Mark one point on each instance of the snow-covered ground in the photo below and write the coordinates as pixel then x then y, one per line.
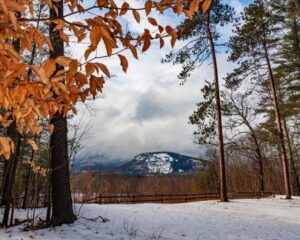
pixel 267 219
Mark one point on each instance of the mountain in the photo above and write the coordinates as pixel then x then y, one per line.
pixel 96 163
pixel 162 163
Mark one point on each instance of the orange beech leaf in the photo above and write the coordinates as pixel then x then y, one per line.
pixel 60 24
pixel 102 3
pixel 205 5
pixel 159 7
pixel 62 86
pixel 95 36
pixel 13 19
pixel 152 21
pixel 49 3
pixel 160 28
pixel 89 68
pixel 124 8
pixel 136 15
pixel 33 144
pixel 21 127
pixel 40 73
pixel 63 61
pixel 88 52
pixel 161 42
pixel 188 13
pixel 179 7
pixel 49 66
pixel 148 6
pixel 194 6
pixel 105 34
pixel 31 8
pixel 49 43
pixel 123 62
pixel 147 43
pixel 64 37
pixel 104 69
pixel 7 147
pixel 133 51
pixel 50 128
pixel 3 7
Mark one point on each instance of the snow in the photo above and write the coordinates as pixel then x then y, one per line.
pixel 160 163
pixel 157 162
pixel 264 219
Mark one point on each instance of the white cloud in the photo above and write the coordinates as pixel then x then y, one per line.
pixel 146 109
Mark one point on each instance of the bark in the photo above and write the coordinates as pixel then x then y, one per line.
pixel 297 3
pixel 223 185
pixel 27 181
pixel 259 158
pixel 281 143
pixel 5 182
pixel 48 215
pixel 12 173
pixel 12 133
pixel 295 177
pixel 260 162
pixel 62 211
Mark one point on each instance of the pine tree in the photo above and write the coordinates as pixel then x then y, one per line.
pixel 255 38
pixel 202 35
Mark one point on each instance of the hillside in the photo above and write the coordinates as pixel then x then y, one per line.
pixel 143 164
pixel 162 163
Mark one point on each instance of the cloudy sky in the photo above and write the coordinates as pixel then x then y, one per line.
pixel 146 109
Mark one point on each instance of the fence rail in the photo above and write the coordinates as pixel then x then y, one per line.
pixel 182 198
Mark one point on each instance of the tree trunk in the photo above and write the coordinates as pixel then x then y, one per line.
pixel 259 157
pixel 297 3
pixel 27 178
pixel 27 181
pixel 48 215
pixel 284 159
pixel 295 177
pixel 261 166
pixel 62 211
pixel 223 184
pixel 11 173
pixel 5 182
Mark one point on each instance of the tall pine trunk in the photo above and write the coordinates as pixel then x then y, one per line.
pixel 223 184
pixel 295 177
pixel 281 143
pixel 62 210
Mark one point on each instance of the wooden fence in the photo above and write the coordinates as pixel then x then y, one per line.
pixel 132 199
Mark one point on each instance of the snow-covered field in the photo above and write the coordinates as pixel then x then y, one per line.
pixel 267 219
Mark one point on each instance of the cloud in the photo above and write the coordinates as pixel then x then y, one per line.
pixel 145 109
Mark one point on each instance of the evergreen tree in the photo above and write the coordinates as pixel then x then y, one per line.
pixel 254 40
pixel 201 34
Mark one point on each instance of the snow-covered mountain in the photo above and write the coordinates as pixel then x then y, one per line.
pixel 162 163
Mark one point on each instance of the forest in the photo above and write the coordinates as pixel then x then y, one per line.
pixel 246 121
